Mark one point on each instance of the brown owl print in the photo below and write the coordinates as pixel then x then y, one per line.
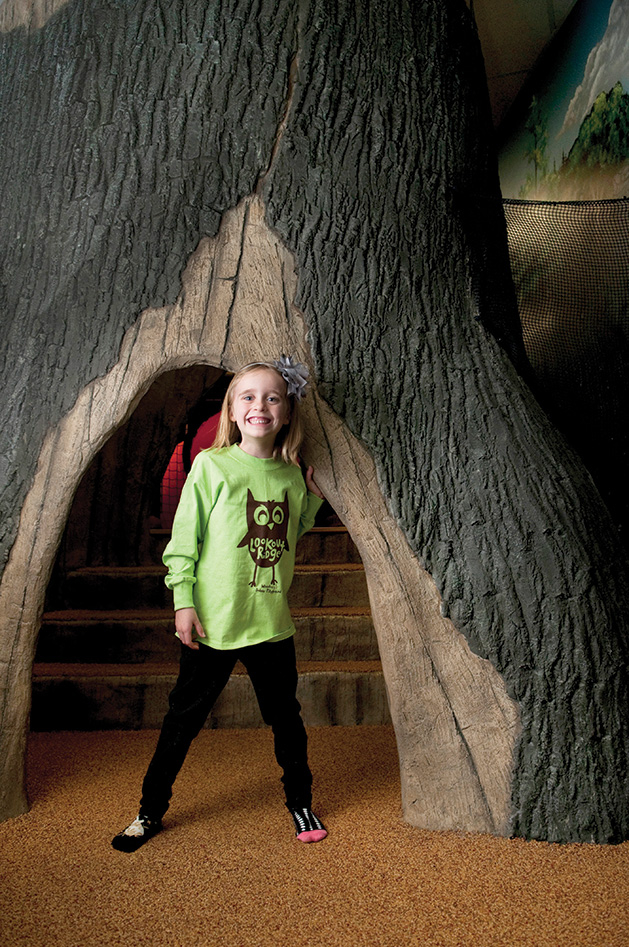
pixel 266 536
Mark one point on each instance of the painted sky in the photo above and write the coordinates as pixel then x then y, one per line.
pixel 588 56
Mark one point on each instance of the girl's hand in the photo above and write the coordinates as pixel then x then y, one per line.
pixel 312 486
pixel 187 620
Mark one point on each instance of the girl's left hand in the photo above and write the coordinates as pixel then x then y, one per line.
pixel 312 486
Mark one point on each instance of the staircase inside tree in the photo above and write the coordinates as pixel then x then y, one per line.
pixel 107 656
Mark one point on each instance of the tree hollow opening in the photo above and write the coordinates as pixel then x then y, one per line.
pixel 107 656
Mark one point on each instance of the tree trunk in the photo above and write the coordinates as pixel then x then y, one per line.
pixel 227 180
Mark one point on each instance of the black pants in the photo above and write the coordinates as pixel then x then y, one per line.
pixel 202 676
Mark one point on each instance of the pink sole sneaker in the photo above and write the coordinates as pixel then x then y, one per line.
pixel 308 828
pixel 314 836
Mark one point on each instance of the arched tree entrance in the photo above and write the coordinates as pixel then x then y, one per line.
pixel 106 655
pixel 462 694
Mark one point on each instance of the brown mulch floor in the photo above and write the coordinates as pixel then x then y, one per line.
pixel 228 871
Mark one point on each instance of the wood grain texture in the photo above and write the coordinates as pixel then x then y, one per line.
pixel 31 14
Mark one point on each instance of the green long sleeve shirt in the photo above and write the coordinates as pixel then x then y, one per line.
pixel 232 551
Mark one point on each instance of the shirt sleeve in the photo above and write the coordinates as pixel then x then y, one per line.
pixel 310 509
pixel 189 529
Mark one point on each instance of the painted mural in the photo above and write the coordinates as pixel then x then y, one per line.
pixel 568 135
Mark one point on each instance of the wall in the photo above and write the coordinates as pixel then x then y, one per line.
pixel 567 135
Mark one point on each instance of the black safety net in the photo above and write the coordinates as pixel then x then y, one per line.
pixel 570 265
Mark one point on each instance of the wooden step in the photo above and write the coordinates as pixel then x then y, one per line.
pixel 103 587
pixel 113 696
pixel 134 636
pixel 107 656
pixel 319 544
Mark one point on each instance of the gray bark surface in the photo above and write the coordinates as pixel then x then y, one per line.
pixel 126 134
pixel 129 129
pixel 497 508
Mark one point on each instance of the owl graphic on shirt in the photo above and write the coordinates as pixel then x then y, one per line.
pixel 266 536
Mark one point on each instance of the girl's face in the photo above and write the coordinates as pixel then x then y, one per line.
pixel 260 409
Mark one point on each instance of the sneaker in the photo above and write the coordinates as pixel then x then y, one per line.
pixel 308 828
pixel 135 835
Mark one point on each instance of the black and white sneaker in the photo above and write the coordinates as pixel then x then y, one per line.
pixel 135 835
pixel 307 826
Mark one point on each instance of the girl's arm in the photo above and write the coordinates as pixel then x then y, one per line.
pixel 311 484
pixel 182 552
pixel 312 504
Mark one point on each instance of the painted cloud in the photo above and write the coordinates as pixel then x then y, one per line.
pixel 607 63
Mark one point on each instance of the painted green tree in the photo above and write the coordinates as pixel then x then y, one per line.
pixel 537 127
pixel 603 137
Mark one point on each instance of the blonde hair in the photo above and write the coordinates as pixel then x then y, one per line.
pixel 289 438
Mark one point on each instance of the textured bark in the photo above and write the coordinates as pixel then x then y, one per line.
pixel 126 135
pixel 457 740
pixel 495 506
pixel 360 133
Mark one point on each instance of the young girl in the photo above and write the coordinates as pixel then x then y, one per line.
pixel 230 563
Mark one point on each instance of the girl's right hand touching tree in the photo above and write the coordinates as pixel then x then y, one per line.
pixel 312 485
pixel 186 623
